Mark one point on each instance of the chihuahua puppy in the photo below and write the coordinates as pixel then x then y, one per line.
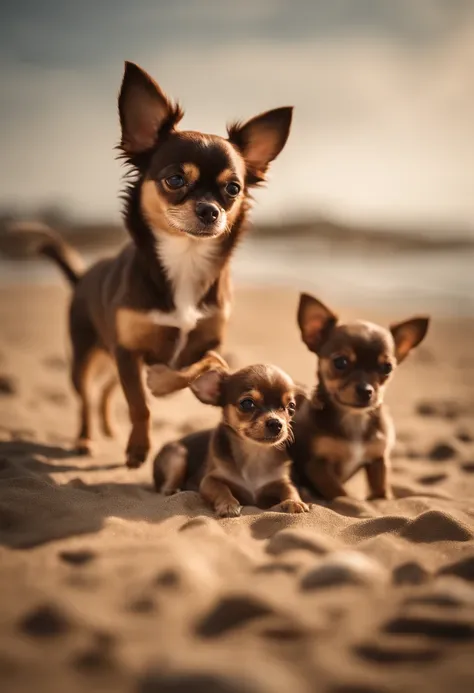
pixel 245 460
pixel 166 297
pixel 345 425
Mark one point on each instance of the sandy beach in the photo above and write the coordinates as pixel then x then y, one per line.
pixel 106 585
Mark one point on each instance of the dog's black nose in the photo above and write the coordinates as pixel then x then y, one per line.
pixel 273 426
pixel 364 392
pixel 207 212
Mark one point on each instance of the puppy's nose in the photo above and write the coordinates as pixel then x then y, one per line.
pixel 364 392
pixel 273 426
pixel 207 212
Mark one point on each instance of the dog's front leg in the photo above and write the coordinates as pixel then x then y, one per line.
pixel 163 380
pixel 219 495
pixel 321 475
pixel 377 477
pixel 290 500
pixel 129 369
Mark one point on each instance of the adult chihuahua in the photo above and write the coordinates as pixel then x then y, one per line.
pixel 166 297
pixel 345 425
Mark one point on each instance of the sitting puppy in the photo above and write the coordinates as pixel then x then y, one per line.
pixel 245 459
pixel 345 425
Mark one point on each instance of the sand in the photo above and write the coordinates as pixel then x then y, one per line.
pixel 105 585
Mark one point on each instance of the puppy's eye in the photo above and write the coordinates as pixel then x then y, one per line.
pixel 340 363
pixel 247 405
pixel 385 368
pixel 175 182
pixel 232 189
pixel 291 408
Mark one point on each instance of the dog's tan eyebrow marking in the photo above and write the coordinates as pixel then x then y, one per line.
pixel 347 352
pixel 287 398
pixel 226 175
pixel 252 394
pixel 191 172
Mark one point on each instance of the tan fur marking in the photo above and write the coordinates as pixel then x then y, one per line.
pixel 376 448
pixel 225 176
pixel 136 331
pixel 252 394
pixel 191 171
pixel 232 417
pixel 335 449
pixel 153 205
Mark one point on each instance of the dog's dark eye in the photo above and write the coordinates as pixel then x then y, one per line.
pixel 385 368
pixel 291 408
pixel 247 405
pixel 232 189
pixel 340 363
pixel 175 182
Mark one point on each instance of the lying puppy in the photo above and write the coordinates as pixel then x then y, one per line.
pixel 345 425
pixel 166 297
pixel 244 461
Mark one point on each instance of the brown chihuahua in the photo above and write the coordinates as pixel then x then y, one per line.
pixel 166 297
pixel 345 425
pixel 245 459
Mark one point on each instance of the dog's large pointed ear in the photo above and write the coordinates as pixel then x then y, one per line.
pixel 261 139
pixel 144 111
pixel 208 386
pixel 315 321
pixel 408 334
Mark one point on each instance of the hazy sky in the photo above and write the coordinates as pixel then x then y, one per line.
pixel 383 89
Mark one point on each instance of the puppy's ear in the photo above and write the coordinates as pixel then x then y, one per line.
pixel 315 321
pixel 208 387
pixel 301 395
pixel 261 139
pixel 408 334
pixel 144 111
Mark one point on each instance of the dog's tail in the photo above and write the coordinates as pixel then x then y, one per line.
pixel 36 238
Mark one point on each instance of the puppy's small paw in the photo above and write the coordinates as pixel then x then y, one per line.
pixel 291 506
pixel 228 509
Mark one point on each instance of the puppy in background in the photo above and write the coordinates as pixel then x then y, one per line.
pixel 345 425
pixel 245 460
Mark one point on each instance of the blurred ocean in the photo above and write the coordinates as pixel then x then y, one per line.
pixel 434 281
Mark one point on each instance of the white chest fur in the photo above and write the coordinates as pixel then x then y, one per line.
pixel 362 451
pixel 258 467
pixel 190 267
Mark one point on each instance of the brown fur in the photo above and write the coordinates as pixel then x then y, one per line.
pixel 345 425
pixel 244 461
pixel 186 202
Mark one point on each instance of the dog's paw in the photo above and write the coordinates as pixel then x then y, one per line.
pixel 161 380
pixel 84 447
pixel 136 455
pixel 291 506
pixel 228 509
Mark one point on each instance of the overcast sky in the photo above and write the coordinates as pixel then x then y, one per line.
pixel 383 89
